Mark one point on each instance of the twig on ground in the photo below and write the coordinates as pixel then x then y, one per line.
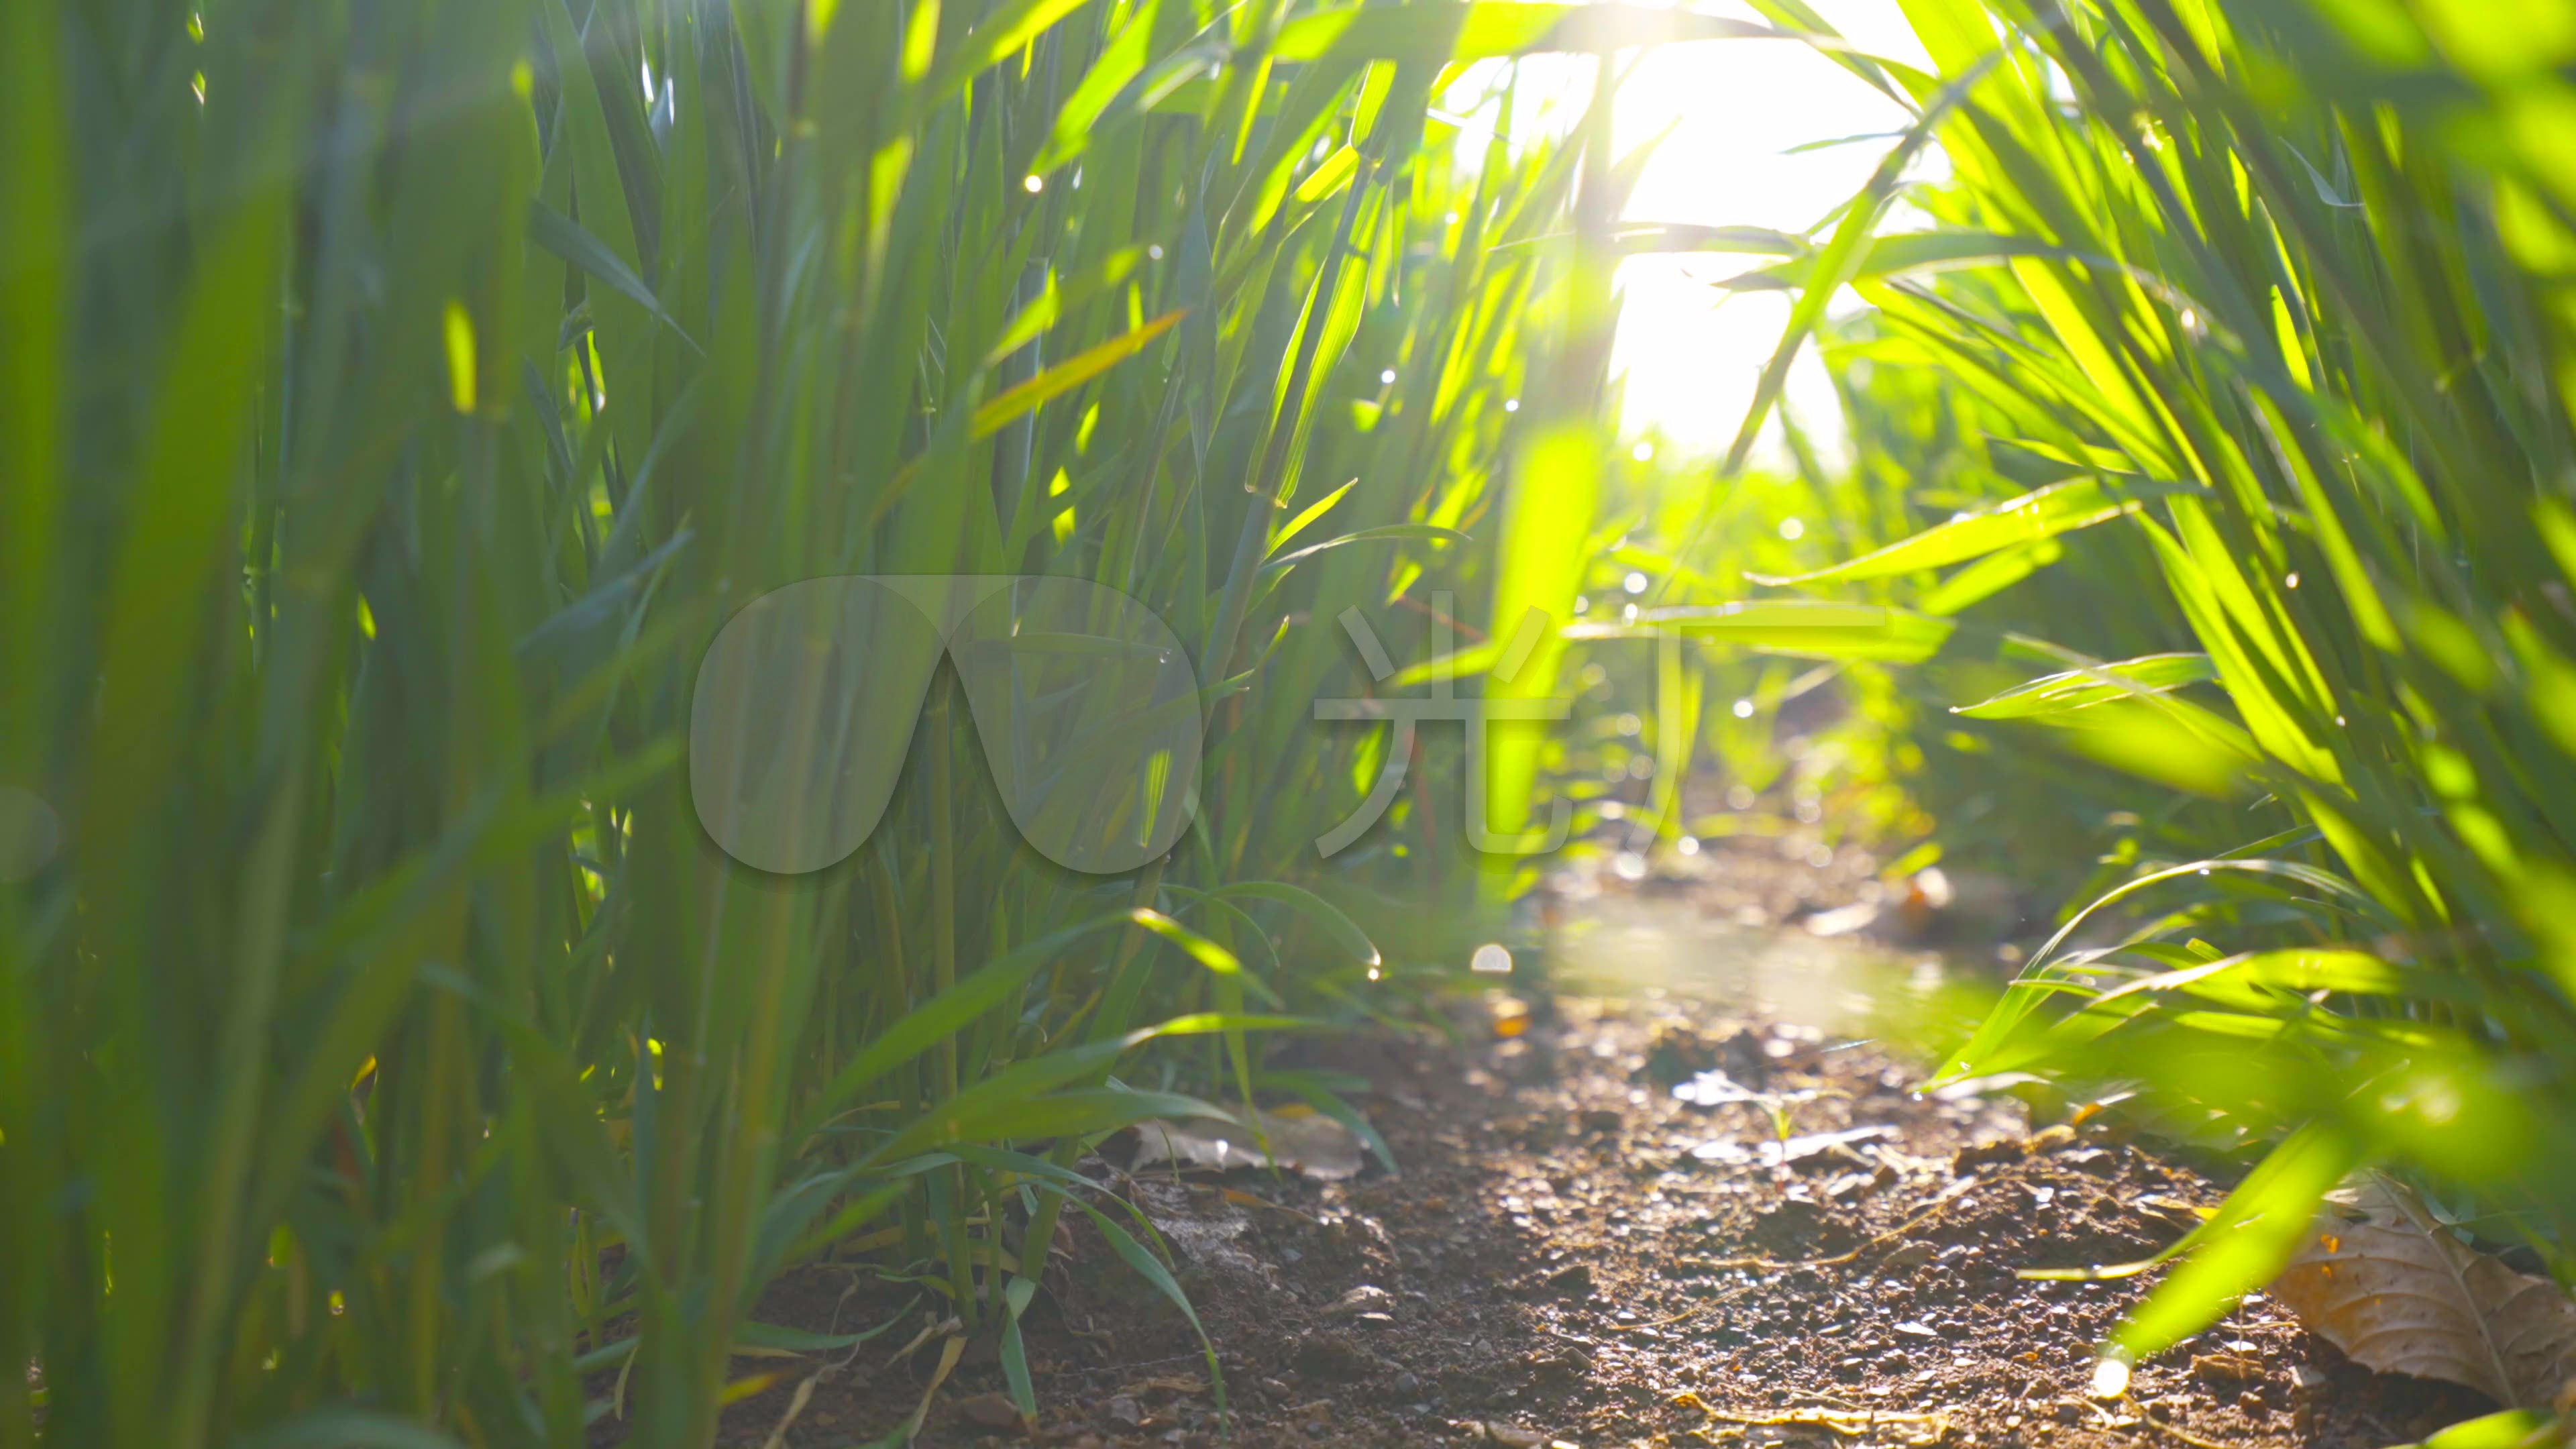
pixel 1850 1423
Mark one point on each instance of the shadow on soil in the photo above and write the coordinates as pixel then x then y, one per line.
pixel 1575 1253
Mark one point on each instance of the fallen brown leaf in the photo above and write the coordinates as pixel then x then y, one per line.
pixel 1366 1298
pixel 2388 1284
pixel 993 1411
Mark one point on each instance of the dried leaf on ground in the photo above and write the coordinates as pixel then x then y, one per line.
pixel 1308 1141
pixel 1366 1298
pixel 993 1411
pixel 2387 1283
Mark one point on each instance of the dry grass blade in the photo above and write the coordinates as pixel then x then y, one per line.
pixel 2388 1284
pixel 1849 1423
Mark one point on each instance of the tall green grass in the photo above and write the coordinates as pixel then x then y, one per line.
pixel 398 396
pixel 2279 287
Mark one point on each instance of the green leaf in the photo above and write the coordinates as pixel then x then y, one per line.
pixel 1429 531
pixel 1311 512
pixel 1193 945
pixel 1067 375
pixel 1990 576
pixel 1665 237
pixel 2042 513
pixel 948 1013
pixel 1835 263
pixel 2025 995
pixel 1313 907
pixel 1459 664
pixel 1800 628
pixel 1438 33
pixel 1328 177
pixel 980 1116
pixel 753 1334
pixel 2509 1429
pixel 1151 1269
pixel 1015 1354
pixel 567 239
pixel 1325 1100
pixel 2246 1243
pixel 2157 737
pixel 1061 297
pixel 2076 688
pixel 2299 971
pixel 1907 254
pixel 1007 28
pixel 1121 84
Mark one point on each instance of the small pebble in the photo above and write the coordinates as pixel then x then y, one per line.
pixel 1364 1299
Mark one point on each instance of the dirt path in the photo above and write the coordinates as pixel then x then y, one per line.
pixel 1574 1253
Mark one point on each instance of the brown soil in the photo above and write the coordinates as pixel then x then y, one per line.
pixel 1555 1264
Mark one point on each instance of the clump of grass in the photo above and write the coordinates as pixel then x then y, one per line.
pixel 400 397
pixel 2279 289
